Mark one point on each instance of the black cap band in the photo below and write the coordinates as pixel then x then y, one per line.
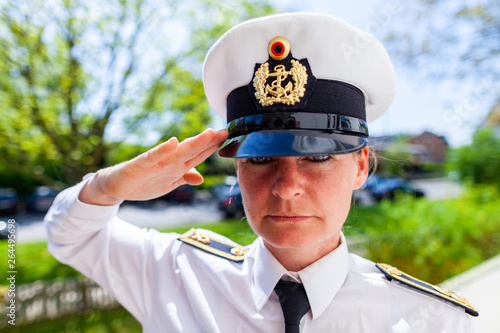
pixel 327 96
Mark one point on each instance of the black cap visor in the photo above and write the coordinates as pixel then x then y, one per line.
pixel 293 142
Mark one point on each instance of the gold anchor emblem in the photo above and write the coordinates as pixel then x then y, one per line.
pixel 288 95
pixel 276 89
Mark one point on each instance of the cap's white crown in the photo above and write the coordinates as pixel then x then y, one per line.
pixel 334 49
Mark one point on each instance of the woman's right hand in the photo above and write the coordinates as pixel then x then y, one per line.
pixel 153 173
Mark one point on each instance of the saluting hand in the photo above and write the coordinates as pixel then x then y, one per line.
pixel 153 173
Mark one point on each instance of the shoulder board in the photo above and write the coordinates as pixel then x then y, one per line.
pixel 220 248
pixel 394 273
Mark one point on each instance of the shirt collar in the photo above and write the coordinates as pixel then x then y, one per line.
pixel 268 271
pixel 322 279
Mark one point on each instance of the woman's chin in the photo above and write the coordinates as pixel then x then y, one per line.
pixel 290 239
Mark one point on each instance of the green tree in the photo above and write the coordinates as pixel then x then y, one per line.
pixel 78 78
pixel 480 161
pixel 445 39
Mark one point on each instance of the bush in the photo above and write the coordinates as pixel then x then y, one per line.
pixel 433 240
pixel 478 163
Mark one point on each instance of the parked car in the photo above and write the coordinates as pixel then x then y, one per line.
pixel 231 202
pixel 184 194
pixel 8 200
pixel 4 231
pixel 390 187
pixel 41 199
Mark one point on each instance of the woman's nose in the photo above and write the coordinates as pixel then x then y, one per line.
pixel 288 182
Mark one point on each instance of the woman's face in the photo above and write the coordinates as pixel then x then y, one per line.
pixel 296 202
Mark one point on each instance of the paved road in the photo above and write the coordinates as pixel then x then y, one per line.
pixel 164 216
pixel 438 188
pixel 30 227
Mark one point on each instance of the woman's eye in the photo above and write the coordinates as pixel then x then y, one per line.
pixel 259 160
pixel 320 158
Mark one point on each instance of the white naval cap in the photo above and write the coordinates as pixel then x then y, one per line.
pixel 297 84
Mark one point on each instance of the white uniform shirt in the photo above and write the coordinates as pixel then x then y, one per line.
pixel 170 286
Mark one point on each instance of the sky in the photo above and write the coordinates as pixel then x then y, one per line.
pixel 451 109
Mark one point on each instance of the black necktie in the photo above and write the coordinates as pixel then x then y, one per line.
pixel 294 303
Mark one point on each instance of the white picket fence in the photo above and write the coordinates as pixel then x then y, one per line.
pixel 45 300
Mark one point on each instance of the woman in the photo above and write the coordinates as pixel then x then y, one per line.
pixel 297 91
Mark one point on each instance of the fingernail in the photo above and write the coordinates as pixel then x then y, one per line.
pixel 221 130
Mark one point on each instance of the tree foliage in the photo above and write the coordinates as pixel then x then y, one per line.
pixel 78 78
pixel 479 162
pixel 443 39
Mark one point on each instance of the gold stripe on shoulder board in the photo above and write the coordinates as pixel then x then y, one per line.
pixel 217 247
pixel 393 273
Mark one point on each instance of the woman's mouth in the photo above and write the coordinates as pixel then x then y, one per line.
pixel 288 218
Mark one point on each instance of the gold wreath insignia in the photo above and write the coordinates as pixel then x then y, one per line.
pixel 275 93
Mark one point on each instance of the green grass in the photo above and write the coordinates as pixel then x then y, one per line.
pixel 33 263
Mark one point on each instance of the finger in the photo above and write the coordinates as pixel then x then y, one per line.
pixel 193 177
pixel 191 147
pixel 220 136
pixel 155 155
pixel 216 142
pixel 202 156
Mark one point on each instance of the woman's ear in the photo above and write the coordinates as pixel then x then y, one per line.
pixel 363 164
